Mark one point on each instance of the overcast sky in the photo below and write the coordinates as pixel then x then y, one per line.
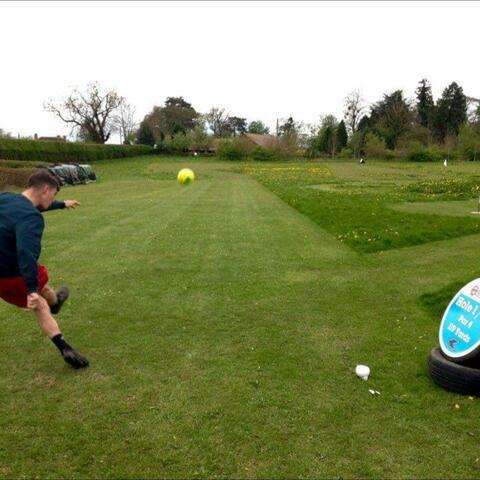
pixel 259 60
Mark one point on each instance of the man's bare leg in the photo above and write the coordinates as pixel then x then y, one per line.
pixel 54 298
pixel 50 327
pixel 45 319
pixel 49 294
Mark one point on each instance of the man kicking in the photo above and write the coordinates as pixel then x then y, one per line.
pixel 23 282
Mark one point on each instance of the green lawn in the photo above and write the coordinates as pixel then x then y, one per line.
pixel 223 322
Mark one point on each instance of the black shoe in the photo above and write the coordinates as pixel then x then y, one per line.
pixel 74 359
pixel 62 295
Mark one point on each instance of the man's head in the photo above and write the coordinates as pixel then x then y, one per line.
pixel 42 187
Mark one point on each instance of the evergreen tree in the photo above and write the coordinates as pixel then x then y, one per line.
pixel 391 117
pixel 145 134
pixel 451 112
pixel 342 136
pixel 425 104
pixel 325 139
pixel 363 124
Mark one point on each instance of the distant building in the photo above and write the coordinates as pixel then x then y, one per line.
pixel 58 138
pixel 258 140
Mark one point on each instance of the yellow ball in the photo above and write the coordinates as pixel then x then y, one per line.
pixel 185 176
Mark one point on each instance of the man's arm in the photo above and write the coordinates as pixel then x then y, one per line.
pixel 28 234
pixel 57 204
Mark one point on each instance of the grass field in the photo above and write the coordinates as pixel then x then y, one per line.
pixel 223 322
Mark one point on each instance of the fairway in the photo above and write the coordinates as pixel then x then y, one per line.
pixel 224 319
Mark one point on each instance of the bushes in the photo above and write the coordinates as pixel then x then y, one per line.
pixel 176 144
pixel 13 149
pixel 239 149
pixel 262 154
pixel 199 140
pixel 469 142
pixel 418 153
pixel 346 153
pixel 374 146
pixel 232 149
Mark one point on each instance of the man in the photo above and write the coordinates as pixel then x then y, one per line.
pixel 23 282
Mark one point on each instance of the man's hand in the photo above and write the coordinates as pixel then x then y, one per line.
pixel 71 203
pixel 33 301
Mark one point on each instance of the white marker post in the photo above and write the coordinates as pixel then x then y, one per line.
pixel 478 208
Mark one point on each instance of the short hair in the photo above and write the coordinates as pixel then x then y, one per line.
pixel 43 177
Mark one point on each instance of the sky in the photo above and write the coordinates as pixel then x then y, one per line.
pixel 259 60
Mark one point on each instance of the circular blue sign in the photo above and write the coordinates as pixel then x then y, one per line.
pixel 460 328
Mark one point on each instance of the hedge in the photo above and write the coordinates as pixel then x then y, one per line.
pixel 14 177
pixel 56 152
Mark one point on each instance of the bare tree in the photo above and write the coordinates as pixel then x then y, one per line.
pixel 473 106
pixel 354 107
pixel 217 120
pixel 125 122
pixel 92 112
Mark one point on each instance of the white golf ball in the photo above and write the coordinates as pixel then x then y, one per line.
pixel 362 371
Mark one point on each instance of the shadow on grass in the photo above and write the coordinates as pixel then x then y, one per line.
pixel 435 303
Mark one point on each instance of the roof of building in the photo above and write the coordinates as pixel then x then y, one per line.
pixel 266 141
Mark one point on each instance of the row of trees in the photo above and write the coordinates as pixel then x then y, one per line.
pixel 391 126
pixel 178 117
pixel 398 126
pixel 94 115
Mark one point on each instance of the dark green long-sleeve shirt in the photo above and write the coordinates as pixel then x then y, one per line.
pixel 21 230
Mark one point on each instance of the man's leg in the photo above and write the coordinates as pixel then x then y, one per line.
pixel 49 294
pixel 50 327
pixel 54 298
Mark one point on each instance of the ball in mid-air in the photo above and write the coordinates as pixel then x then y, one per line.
pixel 185 176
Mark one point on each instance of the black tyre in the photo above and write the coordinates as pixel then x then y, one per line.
pixel 453 376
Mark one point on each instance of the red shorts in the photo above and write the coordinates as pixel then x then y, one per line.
pixel 13 290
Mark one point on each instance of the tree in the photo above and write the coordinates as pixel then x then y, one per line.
pixel 342 136
pixel 354 107
pixel 450 142
pixel 217 121
pixel 289 137
pixel 257 126
pixel 175 116
pixel 145 134
pixel 288 127
pixel 451 111
pixel 4 133
pixel 425 105
pixel 92 112
pixel 469 142
pixel 125 121
pixel 327 138
pixel 374 146
pixel 416 134
pixel 391 117
pixel 364 124
pixel 198 139
pixel 237 125
pixel 357 141
pixel 474 117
